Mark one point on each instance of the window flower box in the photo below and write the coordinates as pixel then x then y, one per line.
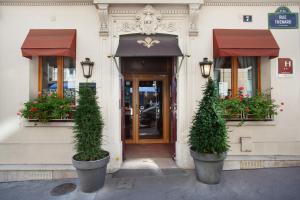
pixel 252 117
pixel 48 108
pixel 257 108
pixel 52 120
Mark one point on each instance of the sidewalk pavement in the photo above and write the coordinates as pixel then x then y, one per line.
pixel 170 184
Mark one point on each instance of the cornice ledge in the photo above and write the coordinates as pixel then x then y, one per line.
pixel 47 3
pixel 135 11
pixel 252 3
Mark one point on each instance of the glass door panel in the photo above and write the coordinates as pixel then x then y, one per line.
pixel 128 97
pixel 150 109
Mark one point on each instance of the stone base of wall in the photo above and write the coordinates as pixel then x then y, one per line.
pixel 259 164
pixel 9 173
pixel 26 175
pixel 234 162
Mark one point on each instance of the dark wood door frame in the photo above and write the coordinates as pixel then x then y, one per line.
pixel 166 108
pixel 172 96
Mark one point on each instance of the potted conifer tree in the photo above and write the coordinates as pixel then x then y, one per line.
pixel 208 137
pixel 90 159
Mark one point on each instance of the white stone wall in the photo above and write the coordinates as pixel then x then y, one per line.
pixel 20 144
pixel 278 138
pixel 18 76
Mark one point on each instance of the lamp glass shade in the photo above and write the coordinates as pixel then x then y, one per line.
pixel 205 67
pixel 206 70
pixel 87 68
pixel 86 71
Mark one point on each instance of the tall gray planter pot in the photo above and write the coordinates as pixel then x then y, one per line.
pixel 208 167
pixel 91 173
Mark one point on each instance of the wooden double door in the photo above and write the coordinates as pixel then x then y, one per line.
pixel 146 109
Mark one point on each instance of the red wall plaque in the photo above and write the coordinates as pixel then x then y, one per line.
pixel 285 66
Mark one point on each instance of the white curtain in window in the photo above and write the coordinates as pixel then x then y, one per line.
pixel 250 63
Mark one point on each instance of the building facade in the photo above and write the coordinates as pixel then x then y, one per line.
pixel 118 36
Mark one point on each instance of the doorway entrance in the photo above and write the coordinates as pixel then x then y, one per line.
pixel 148 64
pixel 148 91
pixel 147 103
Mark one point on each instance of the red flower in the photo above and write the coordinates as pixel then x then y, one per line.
pixel 33 109
pixel 241 88
pixel 241 97
pixel 18 113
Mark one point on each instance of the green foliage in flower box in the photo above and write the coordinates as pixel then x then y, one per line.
pixel 48 107
pixel 258 107
pixel 88 127
pixel 208 133
pixel 233 108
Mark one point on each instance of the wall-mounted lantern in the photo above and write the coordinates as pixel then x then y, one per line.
pixel 87 68
pixel 205 67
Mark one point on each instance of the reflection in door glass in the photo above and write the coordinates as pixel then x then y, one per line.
pixel 128 109
pixel 150 105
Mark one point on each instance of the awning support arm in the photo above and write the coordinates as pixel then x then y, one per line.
pixel 116 63
pixel 180 65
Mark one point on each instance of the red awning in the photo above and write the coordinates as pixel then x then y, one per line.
pixel 50 42
pixel 244 42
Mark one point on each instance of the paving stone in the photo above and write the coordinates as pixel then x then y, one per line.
pixel 125 183
pixel 266 184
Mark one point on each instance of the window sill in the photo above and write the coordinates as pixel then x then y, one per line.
pixel 52 123
pixel 251 123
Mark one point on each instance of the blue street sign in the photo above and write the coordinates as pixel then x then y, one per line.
pixel 283 18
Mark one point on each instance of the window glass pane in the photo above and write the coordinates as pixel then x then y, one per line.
pixel 150 104
pixel 49 75
pixel 222 74
pixel 69 78
pixel 247 76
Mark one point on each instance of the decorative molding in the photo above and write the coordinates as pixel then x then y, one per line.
pixel 103 18
pixel 193 18
pixel 147 21
pixel 168 27
pixel 128 27
pixel 134 11
pixel 171 11
pixel 47 3
pixel 252 3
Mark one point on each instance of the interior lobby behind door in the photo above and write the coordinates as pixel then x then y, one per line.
pixel 146 109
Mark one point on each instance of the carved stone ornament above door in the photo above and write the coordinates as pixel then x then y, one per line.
pixel 148 21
